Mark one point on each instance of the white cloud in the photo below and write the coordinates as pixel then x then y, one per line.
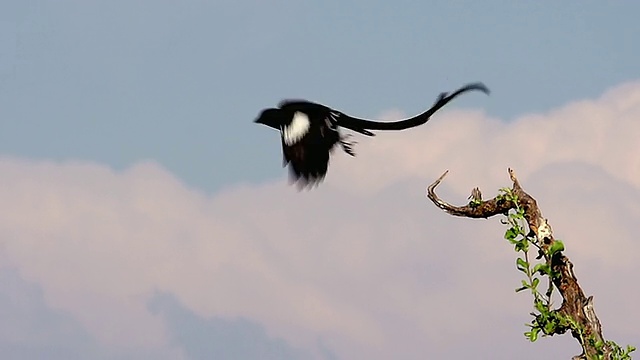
pixel 364 262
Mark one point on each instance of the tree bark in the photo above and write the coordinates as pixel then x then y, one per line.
pixel 575 304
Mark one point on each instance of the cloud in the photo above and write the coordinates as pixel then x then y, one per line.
pixel 363 266
pixel 219 338
pixel 32 330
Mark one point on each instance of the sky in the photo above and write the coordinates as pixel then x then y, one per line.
pixel 143 215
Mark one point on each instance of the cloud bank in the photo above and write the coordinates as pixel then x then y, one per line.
pixel 138 264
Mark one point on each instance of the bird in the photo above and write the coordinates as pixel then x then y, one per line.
pixel 310 132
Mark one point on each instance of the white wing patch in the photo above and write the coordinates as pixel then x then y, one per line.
pixel 299 126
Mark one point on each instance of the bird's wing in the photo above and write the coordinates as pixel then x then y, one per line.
pixel 296 104
pixel 298 127
pixel 308 163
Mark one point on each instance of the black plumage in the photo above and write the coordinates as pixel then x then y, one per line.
pixel 310 131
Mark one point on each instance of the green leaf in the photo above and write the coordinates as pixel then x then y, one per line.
pixel 522 265
pixel 555 247
pixel 549 328
pixel 544 269
pixel 535 283
pixel 525 285
pixel 533 334
pixel 522 245
pixel 511 234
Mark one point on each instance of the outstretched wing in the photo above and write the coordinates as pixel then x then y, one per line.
pixel 306 148
pixel 308 168
pixel 308 163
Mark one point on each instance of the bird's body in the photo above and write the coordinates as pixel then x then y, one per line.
pixel 310 131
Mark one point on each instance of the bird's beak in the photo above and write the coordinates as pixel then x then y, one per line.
pixel 266 117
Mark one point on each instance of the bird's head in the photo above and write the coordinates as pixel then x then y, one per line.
pixel 270 117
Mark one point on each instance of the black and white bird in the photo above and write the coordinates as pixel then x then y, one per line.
pixel 310 131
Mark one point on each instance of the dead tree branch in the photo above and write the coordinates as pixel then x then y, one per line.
pixel 576 307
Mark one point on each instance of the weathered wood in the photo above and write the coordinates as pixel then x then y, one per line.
pixel 575 304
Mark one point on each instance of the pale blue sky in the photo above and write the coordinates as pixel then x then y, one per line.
pixel 180 82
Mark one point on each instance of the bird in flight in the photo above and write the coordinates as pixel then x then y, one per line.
pixel 310 131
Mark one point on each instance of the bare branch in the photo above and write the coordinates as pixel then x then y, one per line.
pixel 481 209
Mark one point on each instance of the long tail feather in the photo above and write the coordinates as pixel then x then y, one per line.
pixel 362 125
